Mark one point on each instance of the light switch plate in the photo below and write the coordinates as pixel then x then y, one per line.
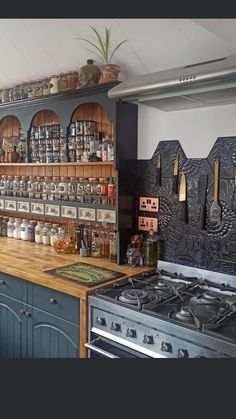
pixel 147 223
pixel 148 204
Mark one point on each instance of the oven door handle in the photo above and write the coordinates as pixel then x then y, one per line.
pixel 94 348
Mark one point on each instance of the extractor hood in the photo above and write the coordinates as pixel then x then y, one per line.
pixel 207 83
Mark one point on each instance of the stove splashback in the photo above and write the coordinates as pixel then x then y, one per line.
pixel 214 248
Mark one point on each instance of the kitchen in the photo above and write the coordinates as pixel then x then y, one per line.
pixel 165 172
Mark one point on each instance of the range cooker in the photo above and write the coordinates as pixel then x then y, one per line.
pixel 174 311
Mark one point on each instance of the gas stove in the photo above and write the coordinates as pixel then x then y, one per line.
pixel 174 311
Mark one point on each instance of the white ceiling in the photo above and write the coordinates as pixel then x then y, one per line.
pixel 35 48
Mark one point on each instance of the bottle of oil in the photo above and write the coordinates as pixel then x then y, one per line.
pixel 153 248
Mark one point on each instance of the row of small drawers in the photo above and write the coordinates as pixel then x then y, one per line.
pixel 65 211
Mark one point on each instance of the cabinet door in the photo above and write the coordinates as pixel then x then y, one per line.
pixel 12 328
pixel 50 336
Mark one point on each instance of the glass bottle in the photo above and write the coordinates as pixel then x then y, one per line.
pixel 39 232
pixel 112 247
pixel 31 230
pixel 38 187
pixel 102 190
pixel 23 187
pixel 4 226
pixel 3 184
pixel 10 227
pixel 16 185
pixel 63 188
pixel 153 245
pixel 24 233
pixel 9 185
pixel 80 196
pixel 46 187
pixel 111 191
pixel 95 245
pixel 47 233
pixel 31 186
pixel 72 186
pixel 54 230
pixel 17 229
pixel 88 191
pixel 54 189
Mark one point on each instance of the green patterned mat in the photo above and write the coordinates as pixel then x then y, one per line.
pixel 84 273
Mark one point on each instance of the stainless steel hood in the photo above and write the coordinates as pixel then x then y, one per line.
pixel 207 83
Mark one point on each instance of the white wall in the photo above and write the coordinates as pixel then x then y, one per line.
pixel 196 129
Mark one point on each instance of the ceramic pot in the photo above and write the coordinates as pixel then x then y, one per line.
pixel 110 73
pixel 89 74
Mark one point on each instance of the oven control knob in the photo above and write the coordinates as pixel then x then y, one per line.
pixel 101 320
pixel 148 339
pixel 182 353
pixel 116 326
pixel 166 347
pixel 131 333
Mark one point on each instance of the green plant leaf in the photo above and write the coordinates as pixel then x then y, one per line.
pixel 95 46
pixel 99 40
pixel 116 48
pixel 107 42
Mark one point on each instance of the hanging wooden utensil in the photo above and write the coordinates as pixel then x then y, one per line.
pixel 176 175
pixel 157 162
pixel 183 199
pixel 201 199
pixel 215 210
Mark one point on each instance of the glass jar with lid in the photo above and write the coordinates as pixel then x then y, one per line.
pixel 23 187
pixel 63 188
pixel 54 189
pixel 60 240
pixel 3 184
pixel 4 226
pixel 80 195
pixel 47 233
pixel 10 227
pixel 17 229
pixel 94 183
pixel 53 231
pixel 31 186
pixel 24 233
pixel 16 185
pixel 88 192
pixel 38 187
pixel 31 230
pixel 46 187
pixel 62 82
pixel 72 186
pixel 102 191
pixel 9 185
pixel 39 232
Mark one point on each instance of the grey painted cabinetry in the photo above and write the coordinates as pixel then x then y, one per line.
pixel 37 322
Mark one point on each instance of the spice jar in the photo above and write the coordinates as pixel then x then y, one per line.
pixel 4 226
pixel 47 233
pixel 15 185
pixel 39 232
pixel 54 230
pixel 31 230
pixel 17 229
pixel 54 189
pixel 10 227
pixel 31 186
pixel 9 185
pixel 63 188
pixel 80 189
pixel 3 184
pixel 102 190
pixel 46 187
pixel 23 187
pixel 24 234
pixel 72 189
pixel 38 187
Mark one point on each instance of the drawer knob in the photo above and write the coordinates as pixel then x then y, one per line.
pixel 2 282
pixel 52 301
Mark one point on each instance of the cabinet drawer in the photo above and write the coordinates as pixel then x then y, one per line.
pixel 13 287
pixel 37 208
pixel 53 210
pixel 106 215
pixel 23 206
pixel 1 203
pixel 68 212
pixel 87 214
pixel 54 302
pixel 10 205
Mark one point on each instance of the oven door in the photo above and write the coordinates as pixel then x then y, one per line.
pixel 101 347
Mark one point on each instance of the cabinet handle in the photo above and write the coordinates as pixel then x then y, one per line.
pixel 2 282
pixel 52 301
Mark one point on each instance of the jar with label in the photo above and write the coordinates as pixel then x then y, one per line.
pixel 4 226
pixel 80 189
pixel 63 188
pixel 31 186
pixel 46 187
pixel 16 186
pixel 38 187
pixel 10 227
pixel 24 233
pixel 9 185
pixel 47 234
pixel 54 84
pixel 17 229
pixel 3 185
pixel 94 183
pixel 88 192
pixel 62 82
pixel 23 187
pixel 31 230
pixel 72 186
pixel 54 230
pixel 111 191
pixel 54 189
pixel 102 191
pixel 39 232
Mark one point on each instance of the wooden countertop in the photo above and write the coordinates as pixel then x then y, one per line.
pixel 29 260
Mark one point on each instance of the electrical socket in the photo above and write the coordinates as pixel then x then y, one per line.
pixel 148 204
pixel 147 223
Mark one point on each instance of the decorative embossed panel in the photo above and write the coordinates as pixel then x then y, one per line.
pixel 213 248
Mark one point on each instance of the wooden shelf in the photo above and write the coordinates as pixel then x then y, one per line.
pixel 96 163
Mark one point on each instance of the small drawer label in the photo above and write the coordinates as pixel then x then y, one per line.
pixel 23 206
pixel 53 210
pixel 68 212
pixel 10 205
pixel 37 208
pixel 1 203
pixel 87 214
pixel 106 215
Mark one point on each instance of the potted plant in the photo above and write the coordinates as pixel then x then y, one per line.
pixel 103 49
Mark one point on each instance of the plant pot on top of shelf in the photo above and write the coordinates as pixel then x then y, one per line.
pixel 110 73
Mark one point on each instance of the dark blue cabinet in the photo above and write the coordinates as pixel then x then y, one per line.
pixel 13 328
pixel 37 322
pixel 50 336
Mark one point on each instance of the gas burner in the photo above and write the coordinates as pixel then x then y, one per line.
pixel 160 285
pixel 211 296
pixel 134 296
pixel 184 314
